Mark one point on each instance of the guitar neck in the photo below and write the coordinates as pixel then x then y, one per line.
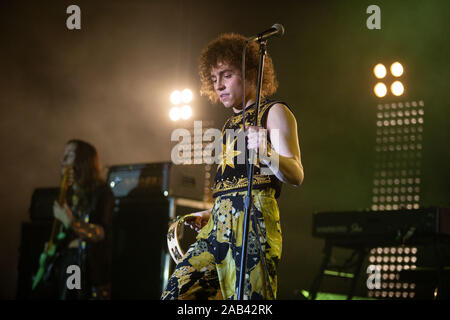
pixel 61 201
pixel 63 189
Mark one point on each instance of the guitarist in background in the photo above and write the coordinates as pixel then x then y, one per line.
pixel 84 218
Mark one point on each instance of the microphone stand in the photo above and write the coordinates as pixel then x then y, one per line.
pixel 248 199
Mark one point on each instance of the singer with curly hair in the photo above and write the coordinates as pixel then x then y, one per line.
pixel 210 268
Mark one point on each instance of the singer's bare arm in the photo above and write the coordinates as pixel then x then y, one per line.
pixel 281 119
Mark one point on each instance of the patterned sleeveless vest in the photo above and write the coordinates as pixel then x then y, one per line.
pixel 232 175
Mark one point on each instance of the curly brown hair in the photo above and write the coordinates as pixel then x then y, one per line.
pixel 227 48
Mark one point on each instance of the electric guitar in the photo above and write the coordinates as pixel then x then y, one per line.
pixel 49 255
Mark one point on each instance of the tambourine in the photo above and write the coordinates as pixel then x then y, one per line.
pixel 174 236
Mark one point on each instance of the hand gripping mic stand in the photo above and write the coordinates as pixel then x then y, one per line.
pixel 248 199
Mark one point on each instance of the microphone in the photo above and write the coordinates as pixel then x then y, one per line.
pixel 276 30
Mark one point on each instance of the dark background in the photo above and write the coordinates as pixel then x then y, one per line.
pixel 109 83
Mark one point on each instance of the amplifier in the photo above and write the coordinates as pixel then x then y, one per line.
pixel 41 207
pixel 157 179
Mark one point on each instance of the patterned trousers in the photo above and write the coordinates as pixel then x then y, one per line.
pixel 210 267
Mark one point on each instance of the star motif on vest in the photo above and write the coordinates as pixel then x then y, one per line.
pixel 228 154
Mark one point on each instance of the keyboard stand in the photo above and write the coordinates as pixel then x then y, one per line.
pixel 361 253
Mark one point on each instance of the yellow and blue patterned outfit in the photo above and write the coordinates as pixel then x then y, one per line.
pixel 210 268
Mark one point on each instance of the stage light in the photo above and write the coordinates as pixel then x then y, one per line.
pixel 380 71
pixel 176 97
pixel 397 88
pixel 186 96
pixel 185 112
pixel 380 89
pixel 396 69
pixel 175 113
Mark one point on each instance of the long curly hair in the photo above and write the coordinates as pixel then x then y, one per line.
pixel 228 48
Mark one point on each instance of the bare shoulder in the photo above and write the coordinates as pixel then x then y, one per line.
pixel 280 115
